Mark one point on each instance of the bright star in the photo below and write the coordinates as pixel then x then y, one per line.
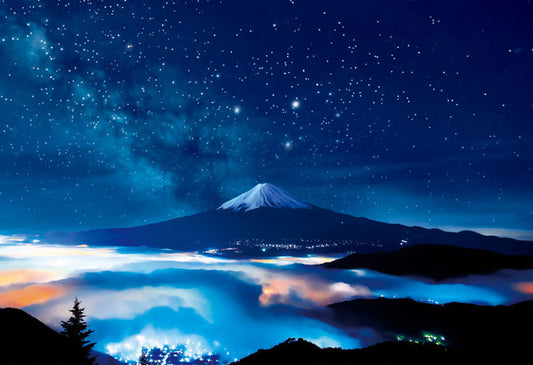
pixel 287 146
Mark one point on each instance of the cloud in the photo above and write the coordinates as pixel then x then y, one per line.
pixel 129 303
pixel 213 305
pixel 9 277
pixel 524 287
pixel 30 295
pixel 130 295
pixel 302 292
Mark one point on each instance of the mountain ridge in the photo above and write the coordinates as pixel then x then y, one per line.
pixel 299 230
pixel 438 262
pixel 463 325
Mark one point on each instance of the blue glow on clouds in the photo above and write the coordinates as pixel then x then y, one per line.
pixel 135 298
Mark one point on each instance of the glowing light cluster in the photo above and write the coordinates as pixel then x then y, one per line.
pixel 427 337
pixel 164 347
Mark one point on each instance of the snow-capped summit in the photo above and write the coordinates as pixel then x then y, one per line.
pixel 264 195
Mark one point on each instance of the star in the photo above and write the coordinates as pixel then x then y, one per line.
pixel 288 145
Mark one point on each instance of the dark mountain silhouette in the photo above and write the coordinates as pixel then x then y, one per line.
pixel 474 333
pixel 390 352
pixel 438 262
pixel 468 327
pixel 303 352
pixel 258 217
pixel 24 340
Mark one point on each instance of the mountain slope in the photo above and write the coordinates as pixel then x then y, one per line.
pixel 303 352
pixel 435 334
pixel 464 326
pixel 436 262
pixel 310 228
pixel 24 340
pixel 19 332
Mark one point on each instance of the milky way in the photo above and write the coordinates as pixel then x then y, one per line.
pixel 125 112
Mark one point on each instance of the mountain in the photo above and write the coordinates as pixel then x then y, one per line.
pixel 266 218
pixel 436 262
pixel 303 352
pixel 476 328
pixel 24 340
pixel 419 333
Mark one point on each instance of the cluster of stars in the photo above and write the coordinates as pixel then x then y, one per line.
pixel 173 107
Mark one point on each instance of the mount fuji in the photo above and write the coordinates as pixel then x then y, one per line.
pixel 267 218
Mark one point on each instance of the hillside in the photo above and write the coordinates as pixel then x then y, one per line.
pixel 464 326
pixel 302 352
pixel 438 262
pixel 24 340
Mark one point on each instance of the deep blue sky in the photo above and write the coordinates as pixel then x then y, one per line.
pixel 411 111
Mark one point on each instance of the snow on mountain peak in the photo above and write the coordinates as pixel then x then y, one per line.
pixel 264 195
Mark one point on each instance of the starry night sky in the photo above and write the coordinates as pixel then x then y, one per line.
pixel 117 113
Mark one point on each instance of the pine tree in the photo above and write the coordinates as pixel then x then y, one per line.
pixel 75 329
pixel 143 360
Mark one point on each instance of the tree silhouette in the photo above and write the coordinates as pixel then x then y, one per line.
pixel 143 360
pixel 75 329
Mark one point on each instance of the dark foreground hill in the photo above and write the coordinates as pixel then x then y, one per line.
pixel 438 262
pixel 300 351
pixel 24 340
pixel 464 326
pixel 303 352
pixel 429 334
pixel 474 333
